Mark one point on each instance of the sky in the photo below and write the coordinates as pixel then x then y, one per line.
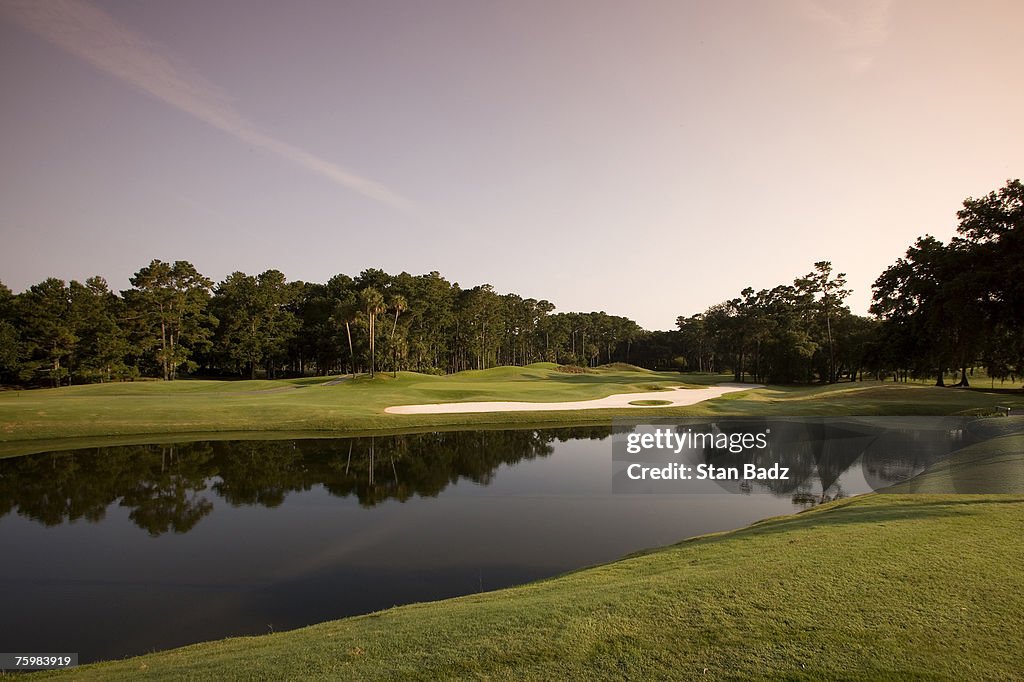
pixel 647 159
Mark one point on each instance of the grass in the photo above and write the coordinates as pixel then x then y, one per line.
pixel 918 587
pixel 978 379
pixel 79 416
pixel 649 403
pixel 885 586
pixel 993 466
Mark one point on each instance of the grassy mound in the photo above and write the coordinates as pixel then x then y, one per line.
pixel 992 466
pixel 34 421
pixel 622 367
pixel 875 587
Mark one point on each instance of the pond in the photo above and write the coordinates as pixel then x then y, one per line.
pixel 116 551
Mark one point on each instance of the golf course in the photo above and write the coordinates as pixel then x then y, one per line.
pixel 888 585
pixel 511 341
pixel 881 586
pixel 145 411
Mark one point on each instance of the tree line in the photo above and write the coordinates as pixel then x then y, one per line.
pixel 941 307
pixel 171 487
pixel 955 305
pixel 799 332
pixel 175 321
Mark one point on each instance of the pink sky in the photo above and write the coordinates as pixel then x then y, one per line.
pixel 647 159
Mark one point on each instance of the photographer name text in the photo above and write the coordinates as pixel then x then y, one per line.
pixel 706 472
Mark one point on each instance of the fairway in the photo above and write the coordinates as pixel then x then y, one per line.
pixel 78 416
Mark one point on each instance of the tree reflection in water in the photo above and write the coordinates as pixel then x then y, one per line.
pixel 170 488
pixel 819 451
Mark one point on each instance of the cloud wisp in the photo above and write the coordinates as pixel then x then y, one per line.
pixel 92 35
pixel 857 28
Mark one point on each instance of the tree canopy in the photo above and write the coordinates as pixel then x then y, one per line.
pixel 940 308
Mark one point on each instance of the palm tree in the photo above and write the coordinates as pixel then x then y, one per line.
pixel 398 304
pixel 372 303
pixel 345 312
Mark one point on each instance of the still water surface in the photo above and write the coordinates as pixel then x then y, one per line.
pixel 121 550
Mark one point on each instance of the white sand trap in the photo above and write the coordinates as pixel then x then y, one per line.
pixel 673 398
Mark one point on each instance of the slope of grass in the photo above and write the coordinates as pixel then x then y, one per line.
pixel 868 398
pixel 876 587
pixel 992 466
pixel 196 406
pixel 887 586
pixel 34 421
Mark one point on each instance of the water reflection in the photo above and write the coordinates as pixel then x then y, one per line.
pixel 241 536
pixel 171 487
pixel 811 459
pixel 823 450
pixel 815 454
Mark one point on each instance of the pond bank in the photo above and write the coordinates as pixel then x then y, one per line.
pixel 870 587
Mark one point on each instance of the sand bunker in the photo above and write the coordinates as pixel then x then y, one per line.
pixel 673 398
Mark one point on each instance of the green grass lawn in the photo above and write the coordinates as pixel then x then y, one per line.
pixel 884 586
pixel 920 587
pixel 978 379
pixel 39 420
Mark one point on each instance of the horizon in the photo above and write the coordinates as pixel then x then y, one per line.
pixel 693 150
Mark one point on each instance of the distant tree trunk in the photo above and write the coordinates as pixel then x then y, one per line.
pixel 351 353
pixel 394 351
pixel 252 361
pixel 940 381
pixel 963 376
pixel 163 343
pixel 831 354
pixel 173 367
pixel 373 345
pixel 757 361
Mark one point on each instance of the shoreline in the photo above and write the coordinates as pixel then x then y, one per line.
pixel 702 572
